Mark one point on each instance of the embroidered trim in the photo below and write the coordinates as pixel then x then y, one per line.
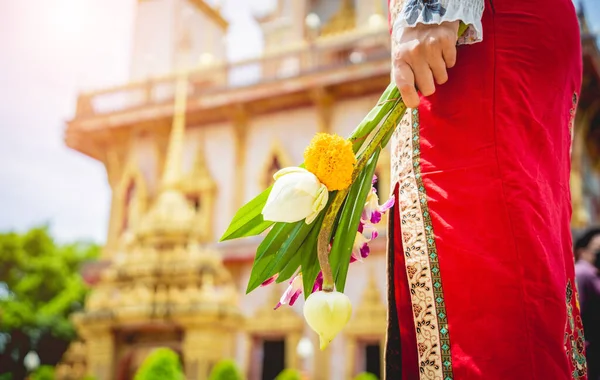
pixel 422 265
pixel 574 339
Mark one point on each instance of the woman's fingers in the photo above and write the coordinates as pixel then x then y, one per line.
pixel 438 68
pixel 423 77
pixel 422 55
pixel 405 81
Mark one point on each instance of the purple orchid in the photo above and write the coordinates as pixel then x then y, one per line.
pixel 293 291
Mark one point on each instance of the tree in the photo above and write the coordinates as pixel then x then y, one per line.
pixel 225 370
pixel 44 372
pixel 161 364
pixel 366 376
pixel 289 374
pixel 40 286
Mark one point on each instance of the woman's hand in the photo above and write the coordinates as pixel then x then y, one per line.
pixel 420 55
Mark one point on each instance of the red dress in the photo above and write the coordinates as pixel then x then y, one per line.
pixel 481 269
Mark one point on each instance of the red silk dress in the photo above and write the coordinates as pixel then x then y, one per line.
pixel 481 269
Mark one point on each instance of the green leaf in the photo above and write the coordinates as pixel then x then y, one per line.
pixel 374 117
pixel 401 108
pixel 283 245
pixel 248 220
pixel 343 241
pixel 291 259
pixel 266 252
pixel 290 268
pixel 310 260
pixel 288 250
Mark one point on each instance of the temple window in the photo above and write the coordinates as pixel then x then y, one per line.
pixel 371 353
pixel 273 358
pixel 272 169
pixel 277 159
pixel 194 200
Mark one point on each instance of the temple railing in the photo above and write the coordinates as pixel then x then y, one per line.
pixel 323 55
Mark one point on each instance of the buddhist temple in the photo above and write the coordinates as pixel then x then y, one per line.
pixel 192 138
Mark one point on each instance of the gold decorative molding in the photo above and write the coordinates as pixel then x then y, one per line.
pixel 277 158
pixel 199 183
pixel 344 20
pixel 268 321
pixel 132 176
pixel 73 363
pixel 203 348
pixel 99 347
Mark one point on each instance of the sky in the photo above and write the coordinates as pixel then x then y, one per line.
pixel 49 51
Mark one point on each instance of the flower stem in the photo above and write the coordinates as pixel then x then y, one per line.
pixel 325 238
pixel 374 117
pixel 382 135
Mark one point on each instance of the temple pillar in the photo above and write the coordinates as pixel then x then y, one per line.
pixel 350 357
pixel 321 366
pixel 292 359
pixel 240 126
pixel 202 348
pixel 100 351
pixel 323 102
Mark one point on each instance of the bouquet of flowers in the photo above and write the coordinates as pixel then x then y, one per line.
pixel 322 214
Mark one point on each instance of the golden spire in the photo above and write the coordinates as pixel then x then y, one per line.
pixel 171 216
pixel 371 296
pixel 173 161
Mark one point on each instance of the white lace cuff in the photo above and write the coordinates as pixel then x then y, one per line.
pixel 406 13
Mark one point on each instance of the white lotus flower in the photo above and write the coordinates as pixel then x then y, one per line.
pixel 327 313
pixel 297 194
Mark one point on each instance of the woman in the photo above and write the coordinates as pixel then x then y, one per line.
pixel 481 265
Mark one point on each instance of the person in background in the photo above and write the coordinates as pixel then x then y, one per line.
pixel 587 276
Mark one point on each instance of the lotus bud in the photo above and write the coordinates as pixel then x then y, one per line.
pixel 297 194
pixel 327 313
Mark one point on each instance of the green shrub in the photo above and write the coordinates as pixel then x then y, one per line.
pixel 45 372
pixel 289 374
pixel 161 364
pixel 225 370
pixel 366 376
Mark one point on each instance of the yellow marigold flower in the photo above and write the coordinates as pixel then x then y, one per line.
pixel 331 159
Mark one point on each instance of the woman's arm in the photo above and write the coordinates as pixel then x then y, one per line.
pixel 424 39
